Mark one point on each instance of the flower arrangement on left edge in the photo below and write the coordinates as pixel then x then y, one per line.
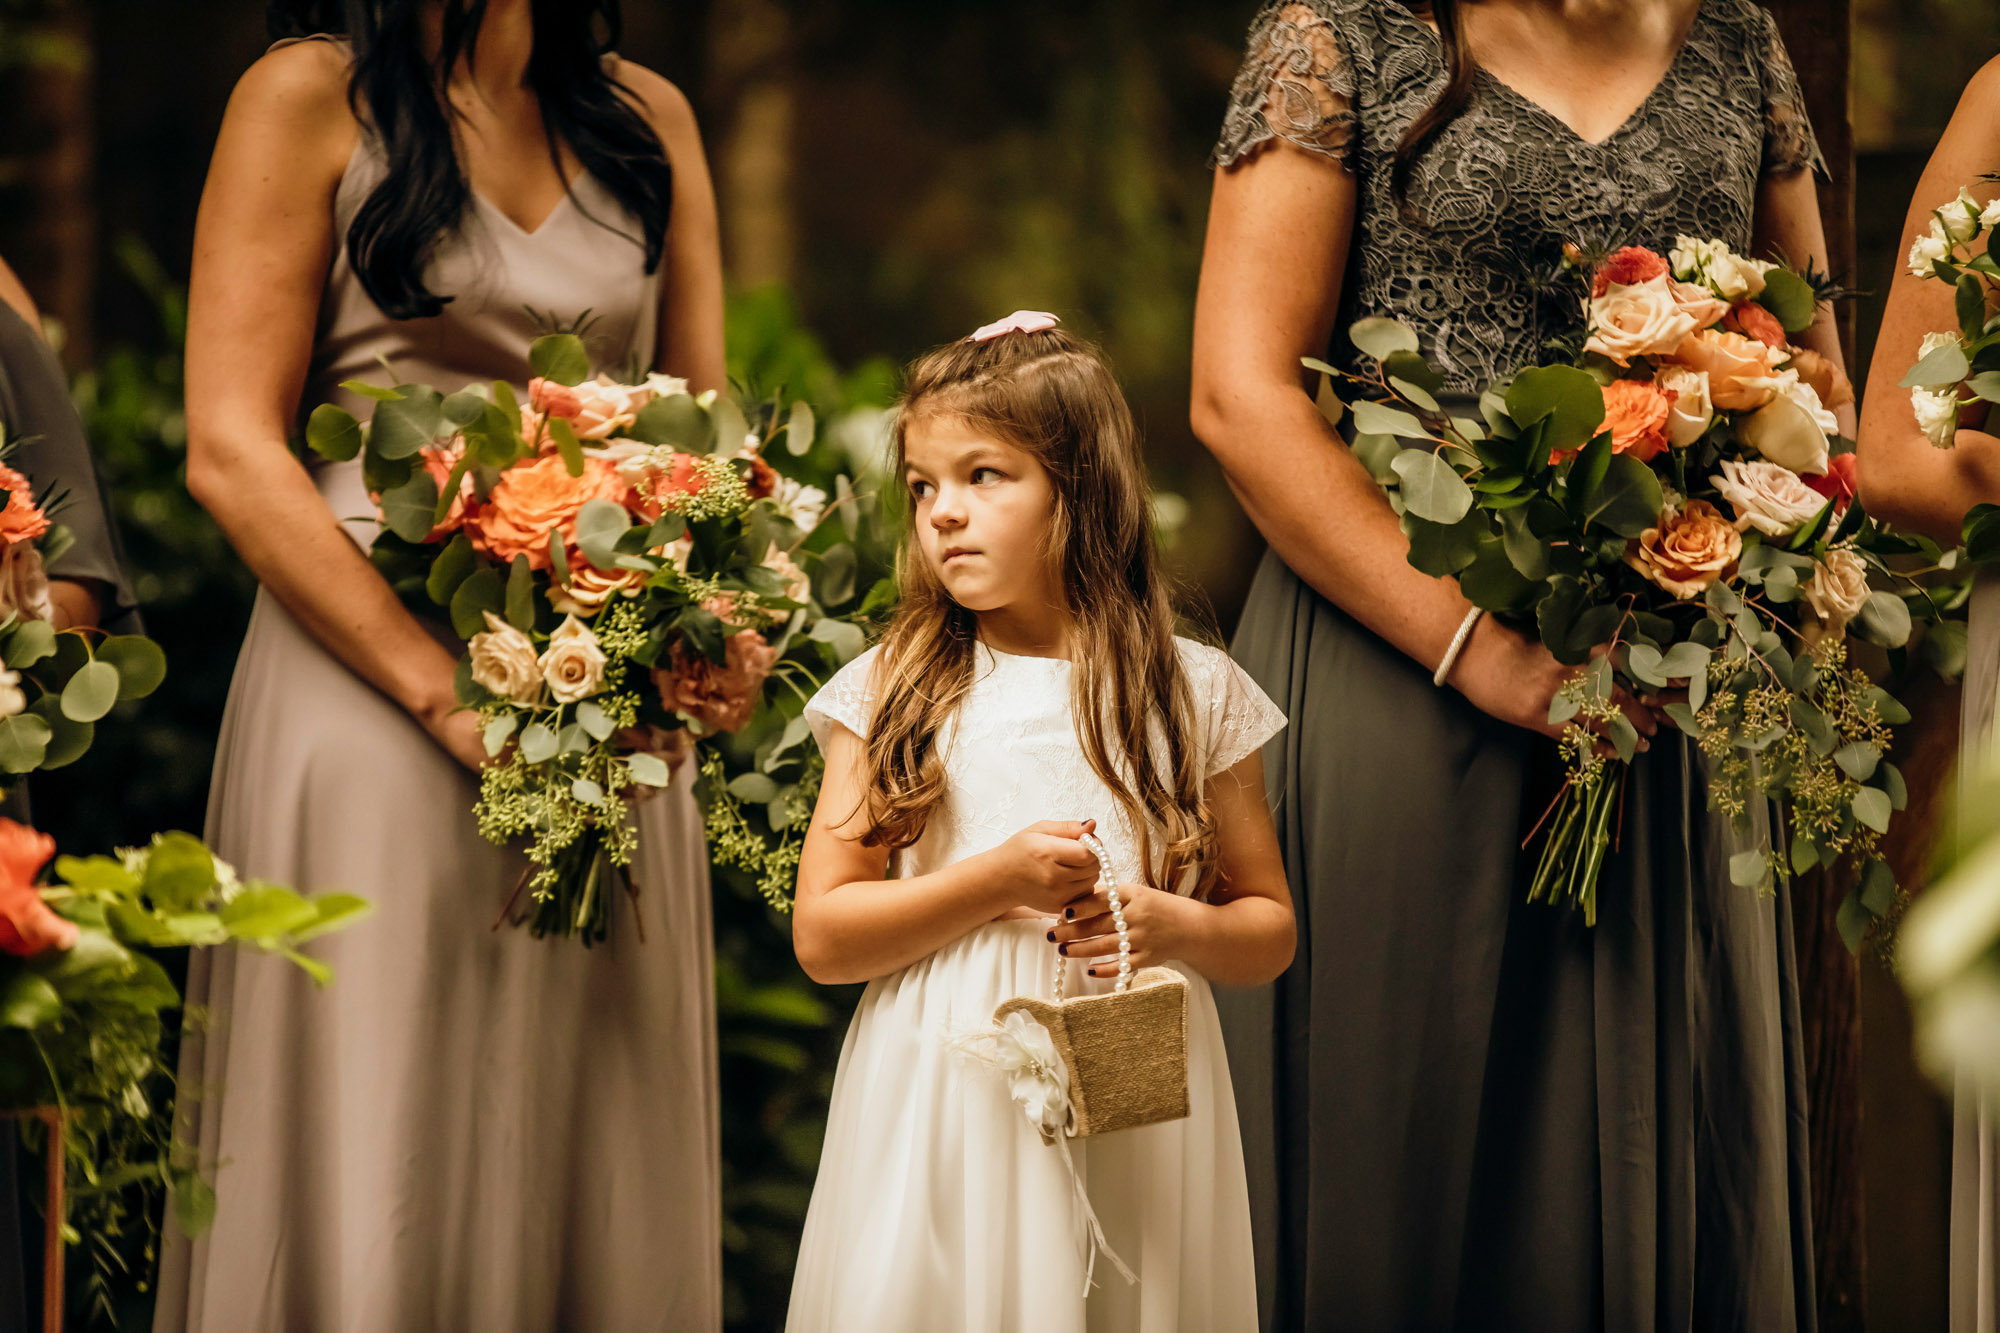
pixel 622 564
pixel 80 1002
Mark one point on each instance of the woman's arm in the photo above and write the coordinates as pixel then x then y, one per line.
pixel 263 239
pixel 1278 232
pixel 13 293
pixel 1788 224
pixel 1904 479
pixel 1244 935
pixel 691 302
pixel 851 924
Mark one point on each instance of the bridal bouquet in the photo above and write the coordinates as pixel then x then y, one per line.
pixel 623 566
pixel 1669 511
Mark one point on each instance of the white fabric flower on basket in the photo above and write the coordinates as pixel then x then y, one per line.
pixel 1037 1078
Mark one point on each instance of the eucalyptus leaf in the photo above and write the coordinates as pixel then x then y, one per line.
pixel 755 788
pixel 1878 888
pixel 648 770
pixel 599 525
pixel 453 566
pixel 1567 398
pixel 1748 869
pixel 28 643
pixel 1627 500
pixel 560 358
pixel 498 732
pixel 1382 338
pixel 587 792
pixel 1381 419
pixel 482 591
pixel 333 433
pixel 402 428
pixel 91 692
pixel 1871 807
pixel 69 740
pixel 1432 489
pixel 28 1001
pixel 1858 760
pixel 410 510
pixel 1884 619
pixel 1943 368
pixel 1790 298
pixel 538 743
pixel 521 594
pixel 799 429
pixel 593 719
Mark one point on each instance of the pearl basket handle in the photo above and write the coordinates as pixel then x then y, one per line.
pixel 1096 849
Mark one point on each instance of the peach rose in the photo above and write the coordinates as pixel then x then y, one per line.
pixel 606 407
pixel 537 497
pixel 1728 359
pixel 1828 380
pixel 1626 267
pixel 573 666
pixel 1636 413
pixel 1689 550
pixel 720 698
pixel 798 585
pixel 13 698
pixel 1698 303
pixel 24 584
pixel 1754 321
pixel 27 925
pixel 22 519
pixel 589 588
pixel 1640 319
pixel 503 661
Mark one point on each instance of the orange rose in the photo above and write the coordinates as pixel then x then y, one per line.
pixel 1636 412
pixel 1728 359
pixel 721 698
pixel 1754 321
pixel 22 520
pixel 535 498
pixel 27 926
pixel 1829 381
pixel 1689 550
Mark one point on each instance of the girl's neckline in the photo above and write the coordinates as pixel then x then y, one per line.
pixel 1021 657
pixel 1672 72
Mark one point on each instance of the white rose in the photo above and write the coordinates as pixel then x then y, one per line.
pixel 503 661
pixel 12 697
pixel 1989 216
pixel 1937 415
pixel 1960 218
pixel 573 666
pixel 1928 250
pixel 1692 413
pixel 1767 497
pixel 1838 589
pixel 633 460
pixel 1786 434
pixel 1637 319
pixel 1712 264
pixel 666 386
pixel 1787 384
pixel 803 505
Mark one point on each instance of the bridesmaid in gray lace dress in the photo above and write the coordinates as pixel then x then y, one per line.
pixel 1463 1110
pixel 472 1130
pixel 1922 489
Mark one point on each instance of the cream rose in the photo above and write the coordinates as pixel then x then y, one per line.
pixel 1927 250
pixel 1989 216
pixel 503 661
pixel 1688 551
pixel 1838 589
pixel 12 697
pixel 1786 434
pixel 1639 319
pixel 606 407
pixel 665 386
pixel 1787 384
pixel 573 666
pixel 1959 219
pixel 1692 413
pixel 1704 307
pixel 24 584
pixel 1713 265
pixel 798 585
pixel 1767 497
pixel 1937 415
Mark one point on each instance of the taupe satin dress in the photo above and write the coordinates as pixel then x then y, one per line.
pixel 471 1130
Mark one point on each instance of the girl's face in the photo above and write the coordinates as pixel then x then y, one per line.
pixel 983 510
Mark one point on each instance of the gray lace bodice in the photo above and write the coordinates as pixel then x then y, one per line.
pixel 1503 186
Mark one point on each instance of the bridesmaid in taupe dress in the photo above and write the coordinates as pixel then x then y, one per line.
pixel 471 1129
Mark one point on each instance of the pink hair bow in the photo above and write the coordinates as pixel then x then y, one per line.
pixel 1021 321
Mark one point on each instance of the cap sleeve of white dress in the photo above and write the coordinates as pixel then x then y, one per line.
pixel 1235 717
pixel 848 698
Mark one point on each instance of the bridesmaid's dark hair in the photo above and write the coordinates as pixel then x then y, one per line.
pixel 1460 69
pixel 402 94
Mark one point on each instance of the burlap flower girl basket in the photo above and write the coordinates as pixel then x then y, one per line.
pixel 1125 1051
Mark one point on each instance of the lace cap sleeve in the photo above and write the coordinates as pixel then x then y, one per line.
pixel 1296 83
pixel 1234 716
pixel 848 698
pixel 1789 142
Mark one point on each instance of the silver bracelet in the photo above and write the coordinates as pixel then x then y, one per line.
pixel 1457 646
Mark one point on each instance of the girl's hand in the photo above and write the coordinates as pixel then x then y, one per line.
pixel 1159 925
pixel 1045 867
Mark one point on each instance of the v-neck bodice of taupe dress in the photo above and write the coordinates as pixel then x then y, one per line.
pixel 471 1129
pixel 1463 1110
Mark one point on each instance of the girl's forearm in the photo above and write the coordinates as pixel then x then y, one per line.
pixel 1240 942
pixel 869 928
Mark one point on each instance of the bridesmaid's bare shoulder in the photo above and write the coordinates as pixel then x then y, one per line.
pixel 665 107
pixel 296 96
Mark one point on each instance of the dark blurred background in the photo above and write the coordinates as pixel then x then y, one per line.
pixel 891 174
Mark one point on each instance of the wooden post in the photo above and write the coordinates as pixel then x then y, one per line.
pixel 55 1207
pixel 1819 36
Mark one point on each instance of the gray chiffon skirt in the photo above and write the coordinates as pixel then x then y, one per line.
pixel 1465 1111
pixel 470 1129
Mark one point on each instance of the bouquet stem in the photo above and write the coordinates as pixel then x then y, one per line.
pixel 1572 860
pixel 577 901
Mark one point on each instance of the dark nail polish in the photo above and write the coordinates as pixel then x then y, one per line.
pixel 1090 971
pixel 1069 914
pixel 1052 937
pixel 1062 949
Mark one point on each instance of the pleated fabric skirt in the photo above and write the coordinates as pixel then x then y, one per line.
pixel 1465 1111
pixel 471 1129
pixel 938 1209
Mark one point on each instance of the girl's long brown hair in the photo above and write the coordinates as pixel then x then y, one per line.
pixel 1053 397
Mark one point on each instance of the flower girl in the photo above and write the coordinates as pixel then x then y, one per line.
pixel 1029 693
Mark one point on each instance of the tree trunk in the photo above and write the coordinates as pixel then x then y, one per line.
pixel 1818 34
